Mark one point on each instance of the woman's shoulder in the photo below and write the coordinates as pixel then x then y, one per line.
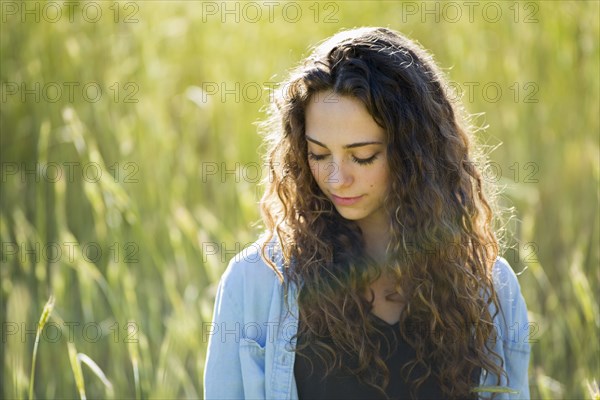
pixel 504 277
pixel 506 282
pixel 248 267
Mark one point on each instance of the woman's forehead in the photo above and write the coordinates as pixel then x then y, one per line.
pixel 334 118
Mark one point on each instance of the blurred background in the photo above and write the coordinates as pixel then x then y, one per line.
pixel 130 164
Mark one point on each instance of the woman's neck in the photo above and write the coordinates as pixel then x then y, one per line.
pixel 376 238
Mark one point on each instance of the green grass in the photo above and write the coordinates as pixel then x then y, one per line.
pixel 130 320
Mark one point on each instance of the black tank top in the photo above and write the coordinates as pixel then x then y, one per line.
pixel 341 385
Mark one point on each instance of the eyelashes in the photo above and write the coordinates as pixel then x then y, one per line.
pixel 313 156
pixel 360 161
pixel 365 161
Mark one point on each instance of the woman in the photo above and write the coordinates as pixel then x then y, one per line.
pixel 378 275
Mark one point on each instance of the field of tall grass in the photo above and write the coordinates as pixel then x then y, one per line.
pixel 130 161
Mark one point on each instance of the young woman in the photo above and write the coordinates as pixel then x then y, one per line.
pixel 378 275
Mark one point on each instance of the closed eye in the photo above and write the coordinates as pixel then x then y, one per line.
pixel 316 157
pixel 365 161
pixel 361 161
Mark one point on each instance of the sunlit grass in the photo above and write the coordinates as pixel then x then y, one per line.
pixel 167 225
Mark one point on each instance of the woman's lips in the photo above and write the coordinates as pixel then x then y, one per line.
pixel 345 201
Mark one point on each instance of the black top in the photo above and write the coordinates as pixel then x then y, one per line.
pixel 341 385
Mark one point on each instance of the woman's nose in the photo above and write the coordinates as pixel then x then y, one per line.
pixel 339 174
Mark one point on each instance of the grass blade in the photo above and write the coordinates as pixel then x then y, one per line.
pixel 81 357
pixel 494 389
pixel 76 367
pixel 43 319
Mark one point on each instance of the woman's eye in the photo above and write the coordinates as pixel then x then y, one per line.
pixel 365 161
pixel 361 161
pixel 316 157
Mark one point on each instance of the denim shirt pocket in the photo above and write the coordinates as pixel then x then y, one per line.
pixel 252 361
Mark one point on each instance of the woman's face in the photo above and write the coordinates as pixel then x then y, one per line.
pixel 347 157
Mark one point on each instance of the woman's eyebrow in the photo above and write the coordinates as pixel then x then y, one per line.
pixel 348 146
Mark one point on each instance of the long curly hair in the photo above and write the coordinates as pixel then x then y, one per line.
pixel 441 216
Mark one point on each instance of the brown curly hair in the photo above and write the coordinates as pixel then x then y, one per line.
pixel 441 213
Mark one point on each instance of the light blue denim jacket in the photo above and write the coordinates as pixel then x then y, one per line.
pixel 249 340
